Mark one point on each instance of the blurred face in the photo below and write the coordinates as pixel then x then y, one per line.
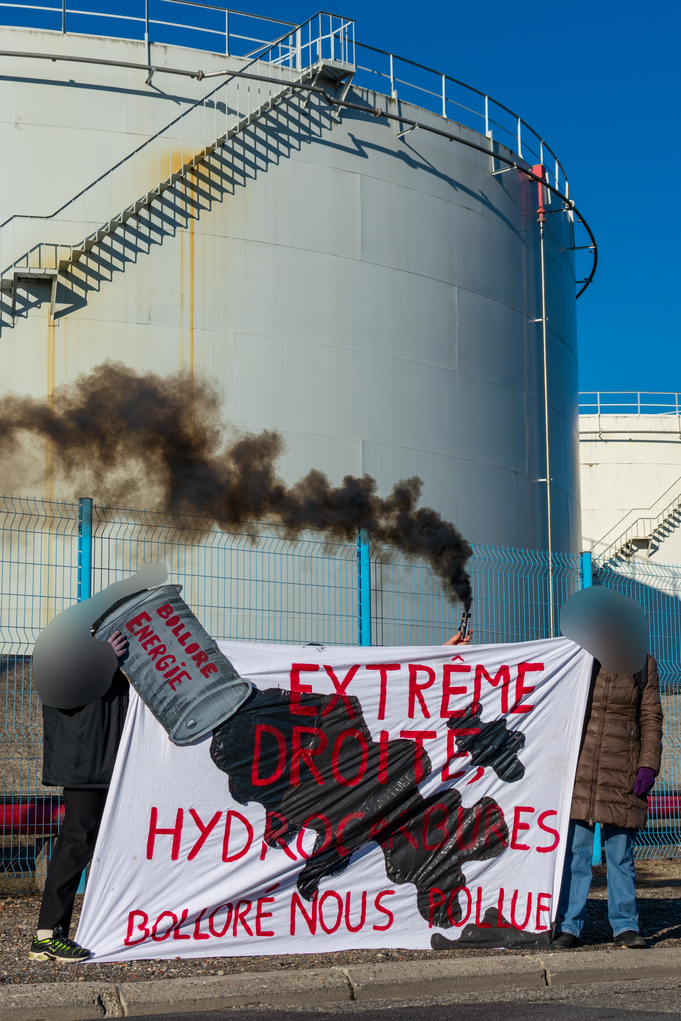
pixel 612 627
pixel 70 667
pixel 73 670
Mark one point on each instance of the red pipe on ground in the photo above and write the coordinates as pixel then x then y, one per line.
pixel 30 817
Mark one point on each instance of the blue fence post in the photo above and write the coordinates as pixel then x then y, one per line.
pixel 363 588
pixel 586 571
pixel 84 589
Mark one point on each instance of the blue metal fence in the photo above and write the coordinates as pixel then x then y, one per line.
pixel 258 584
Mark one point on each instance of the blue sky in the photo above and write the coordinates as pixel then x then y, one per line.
pixel 599 81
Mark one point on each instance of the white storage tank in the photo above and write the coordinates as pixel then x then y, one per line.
pixel 374 295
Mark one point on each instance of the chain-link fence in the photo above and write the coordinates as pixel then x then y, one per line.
pixel 257 584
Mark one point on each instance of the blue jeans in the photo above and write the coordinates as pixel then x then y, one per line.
pixel 574 891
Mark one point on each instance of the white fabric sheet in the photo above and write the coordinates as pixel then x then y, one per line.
pixel 212 887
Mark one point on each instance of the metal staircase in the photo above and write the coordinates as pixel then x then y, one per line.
pixel 51 246
pixel 643 530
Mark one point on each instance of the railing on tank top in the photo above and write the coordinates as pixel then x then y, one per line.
pixel 324 37
pixel 221 30
pixel 203 26
pixel 629 402
pixel 48 242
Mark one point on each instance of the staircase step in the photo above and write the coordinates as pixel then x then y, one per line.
pixel 65 264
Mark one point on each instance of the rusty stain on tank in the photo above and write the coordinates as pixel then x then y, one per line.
pixel 191 310
pixel 49 468
pixel 49 389
pixel 189 283
pixel 173 161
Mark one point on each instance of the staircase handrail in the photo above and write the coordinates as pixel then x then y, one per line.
pixel 343 34
pixel 156 135
pixel 622 535
pixel 291 54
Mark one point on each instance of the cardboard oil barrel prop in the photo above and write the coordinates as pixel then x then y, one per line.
pixel 173 664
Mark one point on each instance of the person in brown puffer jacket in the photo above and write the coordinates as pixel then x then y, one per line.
pixel 619 759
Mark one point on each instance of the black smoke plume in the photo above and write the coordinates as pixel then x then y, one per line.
pixel 115 428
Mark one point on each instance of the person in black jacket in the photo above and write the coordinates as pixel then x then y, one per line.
pixel 80 748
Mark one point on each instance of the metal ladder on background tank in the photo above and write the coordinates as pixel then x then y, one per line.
pixel 43 260
pixel 643 530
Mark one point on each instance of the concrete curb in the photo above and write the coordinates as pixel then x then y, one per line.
pixel 84 1001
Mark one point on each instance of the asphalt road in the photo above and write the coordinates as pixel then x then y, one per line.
pixel 651 1000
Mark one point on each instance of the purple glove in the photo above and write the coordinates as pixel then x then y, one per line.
pixel 645 778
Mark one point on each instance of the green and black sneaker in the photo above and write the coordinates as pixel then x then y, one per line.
pixel 57 948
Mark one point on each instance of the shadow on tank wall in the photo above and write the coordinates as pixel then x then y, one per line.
pixel 285 130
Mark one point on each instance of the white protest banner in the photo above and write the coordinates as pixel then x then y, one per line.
pixel 361 797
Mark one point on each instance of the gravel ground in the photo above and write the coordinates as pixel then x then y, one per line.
pixel 658 887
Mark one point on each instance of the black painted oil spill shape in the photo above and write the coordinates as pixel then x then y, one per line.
pixel 491 744
pixel 495 932
pixel 325 741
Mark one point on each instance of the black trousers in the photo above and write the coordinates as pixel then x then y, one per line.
pixel 72 852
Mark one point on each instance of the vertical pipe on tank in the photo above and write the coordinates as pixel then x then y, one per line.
pixel 63 16
pixel 84 587
pixel 363 588
pixel 549 536
pixel 146 31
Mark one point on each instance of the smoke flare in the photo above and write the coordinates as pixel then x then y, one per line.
pixel 116 428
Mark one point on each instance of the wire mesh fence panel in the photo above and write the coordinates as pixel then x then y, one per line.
pixel 408 602
pixel 514 590
pixel 657 587
pixel 258 584
pixel 38 577
pixel 511 596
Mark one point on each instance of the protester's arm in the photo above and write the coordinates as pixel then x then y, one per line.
pixel 651 722
pixel 458 640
